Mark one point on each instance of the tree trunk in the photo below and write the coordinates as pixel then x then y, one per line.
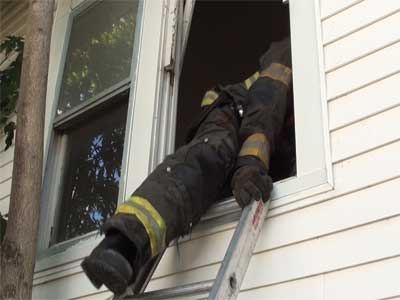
pixel 18 250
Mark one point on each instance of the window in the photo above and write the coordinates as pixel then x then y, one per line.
pixel 90 117
pixel 226 50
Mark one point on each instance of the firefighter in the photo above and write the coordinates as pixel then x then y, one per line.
pixel 233 140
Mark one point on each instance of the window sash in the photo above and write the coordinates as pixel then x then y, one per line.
pixel 83 8
pixel 62 121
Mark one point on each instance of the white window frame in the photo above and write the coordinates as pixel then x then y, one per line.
pixel 156 21
pixel 150 131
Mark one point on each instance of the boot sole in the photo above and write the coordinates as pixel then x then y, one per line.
pixel 100 272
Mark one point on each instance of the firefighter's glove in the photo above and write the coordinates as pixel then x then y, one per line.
pixel 251 182
pixel 278 52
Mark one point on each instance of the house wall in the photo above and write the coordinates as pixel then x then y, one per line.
pixel 13 16
pixel 342 244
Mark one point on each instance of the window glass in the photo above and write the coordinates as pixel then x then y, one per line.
pixel 100 51
pixel 92 172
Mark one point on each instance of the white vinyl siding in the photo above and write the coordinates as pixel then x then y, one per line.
pixel 329 8
pixel 341 244
pixel 356 17
pixel 12 22
pixel 13 18
pixel 364 103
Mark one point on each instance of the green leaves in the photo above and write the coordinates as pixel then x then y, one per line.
pixel 9 84
pixel 12 43
pixel 9 131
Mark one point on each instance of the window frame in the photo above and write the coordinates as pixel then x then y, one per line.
pixel 314 166
pixel 153 50
pixel 57 140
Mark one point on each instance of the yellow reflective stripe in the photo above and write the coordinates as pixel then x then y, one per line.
pixel 209 97
pixel 256 145
pixel 212 94
pixel 128 209
pixel 154 214
pixel 249 81
pixel 278 72
pixel 207 101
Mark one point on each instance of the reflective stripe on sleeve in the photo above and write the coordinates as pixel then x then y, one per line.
pixel 209 98
pixel 278 72
pixel 152 221
pixel 256 145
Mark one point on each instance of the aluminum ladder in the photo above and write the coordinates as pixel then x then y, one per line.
pixel 227 284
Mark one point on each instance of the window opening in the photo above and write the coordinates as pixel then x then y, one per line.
pixel 226 39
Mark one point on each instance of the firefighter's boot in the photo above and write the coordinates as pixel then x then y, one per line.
pixel 111 263
pixel 279 52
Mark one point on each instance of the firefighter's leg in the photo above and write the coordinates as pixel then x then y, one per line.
pixel 266 107
pixel 172 198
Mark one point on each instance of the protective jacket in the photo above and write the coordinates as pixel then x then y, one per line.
pixel 238 121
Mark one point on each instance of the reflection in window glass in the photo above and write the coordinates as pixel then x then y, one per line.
pixel 100 51
pixel 93 172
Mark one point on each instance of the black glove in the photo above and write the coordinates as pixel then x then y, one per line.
pixel 278 52
pixel 251 182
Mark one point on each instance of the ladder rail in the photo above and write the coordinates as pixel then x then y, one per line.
pixel 240 250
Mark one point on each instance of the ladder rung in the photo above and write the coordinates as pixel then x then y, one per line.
pixel 179 291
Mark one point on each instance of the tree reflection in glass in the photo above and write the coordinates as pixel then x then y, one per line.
pixel 93 172
pixel 100 51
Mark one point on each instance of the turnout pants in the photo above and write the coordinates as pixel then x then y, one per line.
pixel 177 193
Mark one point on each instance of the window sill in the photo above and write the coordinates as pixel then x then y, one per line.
pixel 289 194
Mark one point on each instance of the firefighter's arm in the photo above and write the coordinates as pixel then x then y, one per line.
pixel 261 125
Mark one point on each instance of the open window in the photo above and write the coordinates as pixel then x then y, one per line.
pixel 221 44
pixel 226 39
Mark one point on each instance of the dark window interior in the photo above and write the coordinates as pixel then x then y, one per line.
pixel 225 42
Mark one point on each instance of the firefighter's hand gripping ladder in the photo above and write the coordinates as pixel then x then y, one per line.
pixel 227 284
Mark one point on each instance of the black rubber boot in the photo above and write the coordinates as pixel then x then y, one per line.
pixel 278 52
pixel 111 263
